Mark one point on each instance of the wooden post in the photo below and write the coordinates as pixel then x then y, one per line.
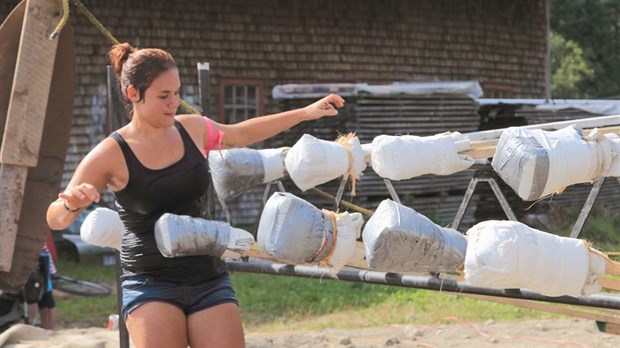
pixel 203 87
pixel 117 119
pixel 203 91
pixel 25 116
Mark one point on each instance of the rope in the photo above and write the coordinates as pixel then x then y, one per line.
pixel 114 41
pixel 344 141
pixel 343 203
pixel 96 22
pixel 63 20
pixel 332 218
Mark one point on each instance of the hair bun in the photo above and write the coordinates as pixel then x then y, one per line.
pixel 118 55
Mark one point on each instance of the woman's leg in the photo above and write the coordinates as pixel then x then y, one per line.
pixel 216 327
pixel 157 324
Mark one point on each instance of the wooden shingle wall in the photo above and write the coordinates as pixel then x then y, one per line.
pixel 497 42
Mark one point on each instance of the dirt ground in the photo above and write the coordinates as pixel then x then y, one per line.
pixel 451 333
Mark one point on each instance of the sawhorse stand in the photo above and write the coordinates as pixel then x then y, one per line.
pixel 484 173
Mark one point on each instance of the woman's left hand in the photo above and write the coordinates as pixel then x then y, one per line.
pixel 324 107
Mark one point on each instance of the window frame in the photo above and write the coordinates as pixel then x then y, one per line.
pixel 240 82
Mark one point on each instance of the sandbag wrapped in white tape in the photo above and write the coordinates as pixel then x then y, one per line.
pixel 608 152
pixel 536 163
pixel 182 235
pixel 509 254
pixel 103 227
pixel 407 156
pixel 294 231
pixel 235 171
pixel 311 161
pixel 399 239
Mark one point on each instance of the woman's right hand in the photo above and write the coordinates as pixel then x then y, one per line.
pixel 324 107
pixel 79 196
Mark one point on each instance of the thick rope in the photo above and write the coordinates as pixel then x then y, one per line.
pixel 96 22
pixel 346 204
pixel 332 218
pixel 344 141
pixel 63 20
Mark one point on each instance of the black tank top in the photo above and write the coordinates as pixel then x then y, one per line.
pixel 178 189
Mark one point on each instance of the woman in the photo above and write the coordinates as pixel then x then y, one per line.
pixel 155 165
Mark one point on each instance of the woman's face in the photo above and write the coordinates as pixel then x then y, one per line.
pixel 161 100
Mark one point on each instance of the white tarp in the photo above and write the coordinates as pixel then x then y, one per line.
pixel 311 161
pixel 509 254
pixel 103 227
pixel 294 231
pixel 408 156
pixel 399 239
pixel 235 171
pixel 181 235
pixel 537 163
pixel 469 89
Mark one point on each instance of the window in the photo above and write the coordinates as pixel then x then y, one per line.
pixel 240 99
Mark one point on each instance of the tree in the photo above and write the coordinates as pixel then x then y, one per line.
pixel 571 73
pixel 594 26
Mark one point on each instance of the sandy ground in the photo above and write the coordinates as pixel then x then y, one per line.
pixel 453 333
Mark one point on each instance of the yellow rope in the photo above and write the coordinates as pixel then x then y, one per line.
pixel 343 202
pixel 114 41
pixel 63 20
pixel 96 22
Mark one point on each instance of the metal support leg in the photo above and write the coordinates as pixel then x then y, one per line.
pixel 483 175
pixel 587 207
pixel 464 203
pixel 268 189
pixel 343 184
pixel 391 190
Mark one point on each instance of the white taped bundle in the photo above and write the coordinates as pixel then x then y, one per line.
pixel 294 231
pixel 311 161
pixel 536 163
pixel 235 171
pixel 407 156
pixel 509 254
pixel 103 227
pixel 181 235
pixel 399 239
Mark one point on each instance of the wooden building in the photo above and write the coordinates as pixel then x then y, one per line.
pixel 254 45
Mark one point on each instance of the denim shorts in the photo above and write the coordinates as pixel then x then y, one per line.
pixel 138 290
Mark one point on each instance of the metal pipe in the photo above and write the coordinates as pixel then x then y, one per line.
pixel 415 281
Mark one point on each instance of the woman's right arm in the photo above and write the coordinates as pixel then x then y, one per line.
pixel 91 176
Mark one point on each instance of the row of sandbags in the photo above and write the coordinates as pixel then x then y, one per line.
pixel 493 254
pixel 534 162
pixel 311 162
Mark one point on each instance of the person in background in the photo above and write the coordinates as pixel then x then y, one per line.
pixel 155 165
pixel 45 306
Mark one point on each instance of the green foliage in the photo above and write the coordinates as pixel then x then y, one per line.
pixel 602 230
pixel 571 71
pixel 594 26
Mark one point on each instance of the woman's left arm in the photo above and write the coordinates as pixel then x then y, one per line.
pixel 264 127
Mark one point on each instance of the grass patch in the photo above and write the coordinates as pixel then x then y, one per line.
pixel 79 311
pixel 275 303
